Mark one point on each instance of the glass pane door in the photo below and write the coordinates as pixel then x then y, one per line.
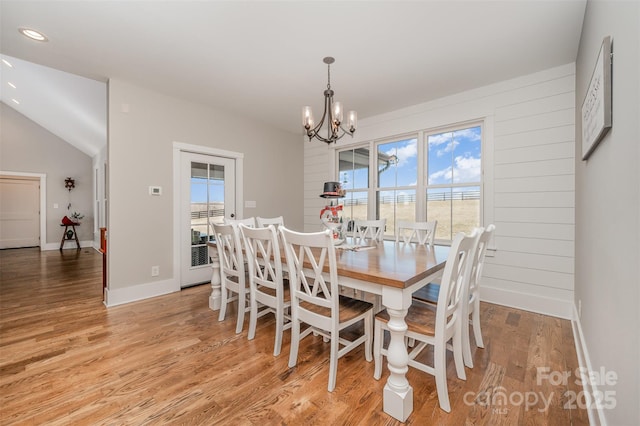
pixel 208 188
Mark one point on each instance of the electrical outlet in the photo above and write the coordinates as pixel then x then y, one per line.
pixel 155 271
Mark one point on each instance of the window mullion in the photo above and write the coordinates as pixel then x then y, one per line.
pixel 421 203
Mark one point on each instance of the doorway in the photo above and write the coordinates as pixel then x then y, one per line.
pixel 208 193
pixel 21 200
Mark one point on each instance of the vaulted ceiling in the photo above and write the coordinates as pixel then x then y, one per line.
pixel 263 59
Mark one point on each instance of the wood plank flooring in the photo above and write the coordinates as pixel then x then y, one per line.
pixel 67 359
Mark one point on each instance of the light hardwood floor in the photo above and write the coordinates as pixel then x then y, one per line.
pixel 67 359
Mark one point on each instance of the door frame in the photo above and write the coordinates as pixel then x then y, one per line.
pixel 179 147
pixel 43 201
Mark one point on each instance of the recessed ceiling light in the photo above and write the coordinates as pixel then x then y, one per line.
pixel 11 84
pixel 33 34
pixel 14 100
pixel 7 63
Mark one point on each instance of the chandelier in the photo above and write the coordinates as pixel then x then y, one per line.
pixel 333 115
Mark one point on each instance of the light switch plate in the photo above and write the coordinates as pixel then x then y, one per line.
pixel 155 190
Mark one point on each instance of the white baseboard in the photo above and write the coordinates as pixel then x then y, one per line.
pixel 134 293
pixel 528 302
pixel 67 245
pixel 595 411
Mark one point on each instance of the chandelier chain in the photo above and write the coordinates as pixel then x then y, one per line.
pixel 328 76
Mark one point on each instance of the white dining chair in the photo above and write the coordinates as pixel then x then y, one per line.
pixel 263 222
pixel 232 272
pixel 268 294
pixel 372 229
pixel 249 221
pixel 417 232
pixel 473 307
pixel 435 325
pixel 471 292
pixel 316 301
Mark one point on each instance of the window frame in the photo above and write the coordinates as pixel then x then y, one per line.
pixel 425 160
pixel 486 173
pixel 337 152
pixel 390 233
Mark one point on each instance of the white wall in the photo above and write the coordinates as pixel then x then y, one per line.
pixel 25 146
pixel 99 163
pixel 528 182
pixel 142 128
pixel 608 214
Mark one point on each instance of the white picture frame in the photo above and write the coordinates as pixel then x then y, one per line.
pixel 596 107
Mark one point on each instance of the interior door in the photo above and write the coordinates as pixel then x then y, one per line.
pixel 19 212
pixel 207 197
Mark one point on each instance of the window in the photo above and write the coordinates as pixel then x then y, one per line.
pixel 397 179
pixel 445 167
pixel 353 169
pixel 454 180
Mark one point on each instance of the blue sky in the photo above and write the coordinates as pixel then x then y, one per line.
pixel 199 190
pixel 453 157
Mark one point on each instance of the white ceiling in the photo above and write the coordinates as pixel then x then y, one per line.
pixel 263 59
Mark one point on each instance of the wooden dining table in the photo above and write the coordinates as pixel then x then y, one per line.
pixel 394 271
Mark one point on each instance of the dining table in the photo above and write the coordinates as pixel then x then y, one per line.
pixel 394 271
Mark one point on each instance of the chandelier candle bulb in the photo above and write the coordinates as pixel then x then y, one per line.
pixel 353 121
pixel 337 113
pixel 307 117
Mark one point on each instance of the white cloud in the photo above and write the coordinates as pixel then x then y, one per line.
pixel 466 169
pixel 408 151
pixel 441 176
pixel 439 139
pixel 471 134
pixel 448 148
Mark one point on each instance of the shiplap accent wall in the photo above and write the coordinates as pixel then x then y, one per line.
pixel 528 186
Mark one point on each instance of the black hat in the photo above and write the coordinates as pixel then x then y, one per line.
pixel 332 189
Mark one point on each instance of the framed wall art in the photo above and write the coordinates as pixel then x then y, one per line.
pixel 596 108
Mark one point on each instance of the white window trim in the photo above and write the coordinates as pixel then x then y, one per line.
pixel 487 168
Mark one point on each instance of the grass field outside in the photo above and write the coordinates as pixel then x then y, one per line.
pixel 466 216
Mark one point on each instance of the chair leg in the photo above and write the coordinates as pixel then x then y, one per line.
pixel 466 343
pixel 440 366
pixel 279 331
pixel 378 340
pixel 253 318
pixel 368 332
pixel 333 360
pixel 223 303
pixel 295 341
pixel 241 310
pixel 477 331
pixel 458 356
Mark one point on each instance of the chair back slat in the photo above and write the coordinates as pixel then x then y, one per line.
pixel 456 271
pixel 373 229
pixel 250 222
pixel 478 263
pixel 419 232
pixel 263 255
pixel 263 222
pixel 229 250
pixel 315 249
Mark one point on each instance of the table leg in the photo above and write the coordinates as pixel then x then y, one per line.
pixel 64 235
pixel 216 294
pixel 75 234
pixel 398 394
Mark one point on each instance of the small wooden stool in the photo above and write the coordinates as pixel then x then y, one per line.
pixel 74 236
